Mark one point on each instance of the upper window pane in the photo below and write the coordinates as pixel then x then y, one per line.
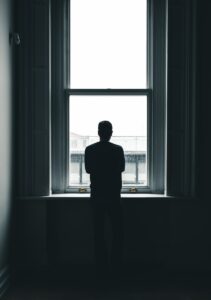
pixel 108 44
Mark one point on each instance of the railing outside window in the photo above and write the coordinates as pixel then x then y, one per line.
pixel 134 174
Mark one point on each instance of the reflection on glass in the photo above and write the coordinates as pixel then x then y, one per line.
pixel 108 43
pixel 128 114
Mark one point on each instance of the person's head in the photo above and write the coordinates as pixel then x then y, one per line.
pixel 105 130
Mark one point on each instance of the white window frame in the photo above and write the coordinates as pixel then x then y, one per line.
pixel 155 92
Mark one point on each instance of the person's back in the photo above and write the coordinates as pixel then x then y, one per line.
pixel 104 161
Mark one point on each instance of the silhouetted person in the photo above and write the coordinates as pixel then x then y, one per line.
pixel 105 162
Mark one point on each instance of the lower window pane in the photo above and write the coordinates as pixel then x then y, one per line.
pixel 128 115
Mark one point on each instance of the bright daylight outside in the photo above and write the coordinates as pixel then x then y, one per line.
pixel 108 50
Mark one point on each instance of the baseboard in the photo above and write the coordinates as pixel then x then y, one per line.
pixel 4 281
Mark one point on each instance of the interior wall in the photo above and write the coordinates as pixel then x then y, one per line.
pixel 203 104
pixel 163 234
pixel 181 87
pixel 33 92
pixel 173 233
pixel 6 124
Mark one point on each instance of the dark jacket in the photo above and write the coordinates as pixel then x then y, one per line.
pixel 105 162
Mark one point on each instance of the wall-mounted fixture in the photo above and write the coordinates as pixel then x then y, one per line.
pixel 14 38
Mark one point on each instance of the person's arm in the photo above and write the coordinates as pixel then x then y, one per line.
pixel 87 161
pixel 122 160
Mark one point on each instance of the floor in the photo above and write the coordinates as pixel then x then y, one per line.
pixel 109 291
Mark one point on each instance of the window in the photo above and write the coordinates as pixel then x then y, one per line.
pixel 108 44
pixel 129 132
pixel 109 64
pixel 108 52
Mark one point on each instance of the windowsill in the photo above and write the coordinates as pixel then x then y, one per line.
pixel 87 196
pixel 125 195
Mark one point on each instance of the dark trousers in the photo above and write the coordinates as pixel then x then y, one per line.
pixel 114 212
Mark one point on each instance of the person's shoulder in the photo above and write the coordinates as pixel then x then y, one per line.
pixel 92 146
pixel 117 147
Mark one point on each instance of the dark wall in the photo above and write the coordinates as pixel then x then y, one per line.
pixel 32 92
pixel 172 233
pixel 181 97
pixel 161 233
pixel 6 121
pixel 203 97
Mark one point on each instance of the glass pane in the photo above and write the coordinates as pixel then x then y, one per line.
pixel 128 114
pixel 108 44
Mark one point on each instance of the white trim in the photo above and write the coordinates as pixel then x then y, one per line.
pixel 166 103
pixel 159 89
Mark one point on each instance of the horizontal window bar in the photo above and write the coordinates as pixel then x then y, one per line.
pixel 113 92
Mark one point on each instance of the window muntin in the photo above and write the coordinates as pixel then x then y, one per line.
pixel 108 44
pixel 128 115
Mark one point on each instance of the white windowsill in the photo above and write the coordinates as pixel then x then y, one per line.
pixel 87 196
pixel 125 195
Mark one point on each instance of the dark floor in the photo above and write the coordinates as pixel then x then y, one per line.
pixel 109 291
pixel 78 283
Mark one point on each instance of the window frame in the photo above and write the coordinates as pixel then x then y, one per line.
pixel 61 92
pixel 114 92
